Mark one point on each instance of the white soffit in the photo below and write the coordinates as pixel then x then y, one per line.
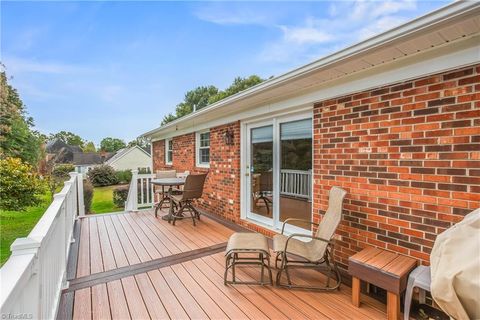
pixel 440 28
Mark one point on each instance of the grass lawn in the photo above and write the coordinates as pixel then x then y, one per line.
pixel 16 224
pixel 103 200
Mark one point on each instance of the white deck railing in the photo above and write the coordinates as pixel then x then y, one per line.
pixel 34 275
pixel 140 192
pixel 297 183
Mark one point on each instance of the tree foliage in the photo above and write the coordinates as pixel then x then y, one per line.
pixel 89 147
pixel 239 84
pixel 69 138
pixel 102 175
pixel 17 137
pixel 141 142
pixel 201 97
pixel 19 184
pixel 112 144
pixel 58 175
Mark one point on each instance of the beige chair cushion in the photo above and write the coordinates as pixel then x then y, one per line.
pixel 247 241
pixel 314 250
pixel 177 197
pixel 295 246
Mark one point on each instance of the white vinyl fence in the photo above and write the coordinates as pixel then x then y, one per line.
pixel 34 275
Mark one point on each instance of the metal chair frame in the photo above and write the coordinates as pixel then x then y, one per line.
pixel 327 262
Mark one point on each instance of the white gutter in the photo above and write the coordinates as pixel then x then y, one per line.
pixel 415 26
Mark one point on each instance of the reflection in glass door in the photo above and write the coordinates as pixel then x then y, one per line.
pixel 278 183
pixel 295 192
pixel 261 171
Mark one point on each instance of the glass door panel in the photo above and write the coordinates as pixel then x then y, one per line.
pixel 261 171
pixel 295 200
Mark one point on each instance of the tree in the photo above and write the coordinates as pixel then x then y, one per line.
pixel 141 142
pixel 112 144
pixel 89 147
pixel 239 84
pixel 69 138
pixel 58 175
pixel 20 185
pixel 201 97
pixel 195 99
pixel 17 138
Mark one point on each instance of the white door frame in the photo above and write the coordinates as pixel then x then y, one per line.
pixel 245 187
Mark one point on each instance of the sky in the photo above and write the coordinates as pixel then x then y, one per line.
pixel 114 69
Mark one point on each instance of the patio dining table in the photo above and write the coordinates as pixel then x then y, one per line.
pixel 170 183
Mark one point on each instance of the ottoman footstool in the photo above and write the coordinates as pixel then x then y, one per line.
pixel 247 249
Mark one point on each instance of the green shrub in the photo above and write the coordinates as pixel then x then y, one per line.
pixel 20 186
pixel 59 174
pixel 120 195
pixel 124 176
pixel 103 175
pixel 87 195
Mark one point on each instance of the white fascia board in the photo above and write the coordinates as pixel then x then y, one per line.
pixel 416 26
pixel 447 57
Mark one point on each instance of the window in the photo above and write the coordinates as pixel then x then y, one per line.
pixel 203 149
pixel 168 151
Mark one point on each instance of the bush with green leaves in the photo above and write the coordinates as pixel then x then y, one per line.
pixel 20 186
pixel 87 195
pixel 123 176
pixel 59 174
pixel 103 175
pixel 120 195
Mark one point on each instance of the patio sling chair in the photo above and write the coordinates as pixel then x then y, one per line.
pixel 317 253
pixel 193 189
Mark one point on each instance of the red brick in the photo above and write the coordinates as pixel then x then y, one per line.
pixel 413 176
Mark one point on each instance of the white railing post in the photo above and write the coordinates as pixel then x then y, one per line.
pixel 24 249
pixel 132 198
pixel 81 205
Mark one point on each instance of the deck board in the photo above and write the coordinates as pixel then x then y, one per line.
pixel 192 287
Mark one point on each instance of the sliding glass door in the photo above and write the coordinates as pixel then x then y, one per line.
pixel 278 171
pixel 296 171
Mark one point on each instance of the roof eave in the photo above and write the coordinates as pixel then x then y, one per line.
pixel 413 26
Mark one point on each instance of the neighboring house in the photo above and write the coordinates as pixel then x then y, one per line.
pixel 394 120
pixel 84 161
pixel 59 152
pixel 130 159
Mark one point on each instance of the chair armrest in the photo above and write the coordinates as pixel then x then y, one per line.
pixel 296 219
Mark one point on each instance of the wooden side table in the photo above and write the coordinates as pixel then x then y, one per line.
pixel 383 269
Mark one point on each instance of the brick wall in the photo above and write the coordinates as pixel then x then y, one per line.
pixel 222 188
pixel 408 155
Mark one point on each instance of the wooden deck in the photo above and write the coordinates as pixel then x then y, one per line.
pixel 131 265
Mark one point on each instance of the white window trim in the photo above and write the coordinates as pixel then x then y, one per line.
pixel 166 152
pixel 197 149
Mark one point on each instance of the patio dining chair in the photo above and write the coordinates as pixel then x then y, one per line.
pixel 192 189
pixel 317 253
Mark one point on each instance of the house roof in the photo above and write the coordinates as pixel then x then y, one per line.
pixel 122 152
pixel 458 20
pixel 87 158
pixel 56 145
